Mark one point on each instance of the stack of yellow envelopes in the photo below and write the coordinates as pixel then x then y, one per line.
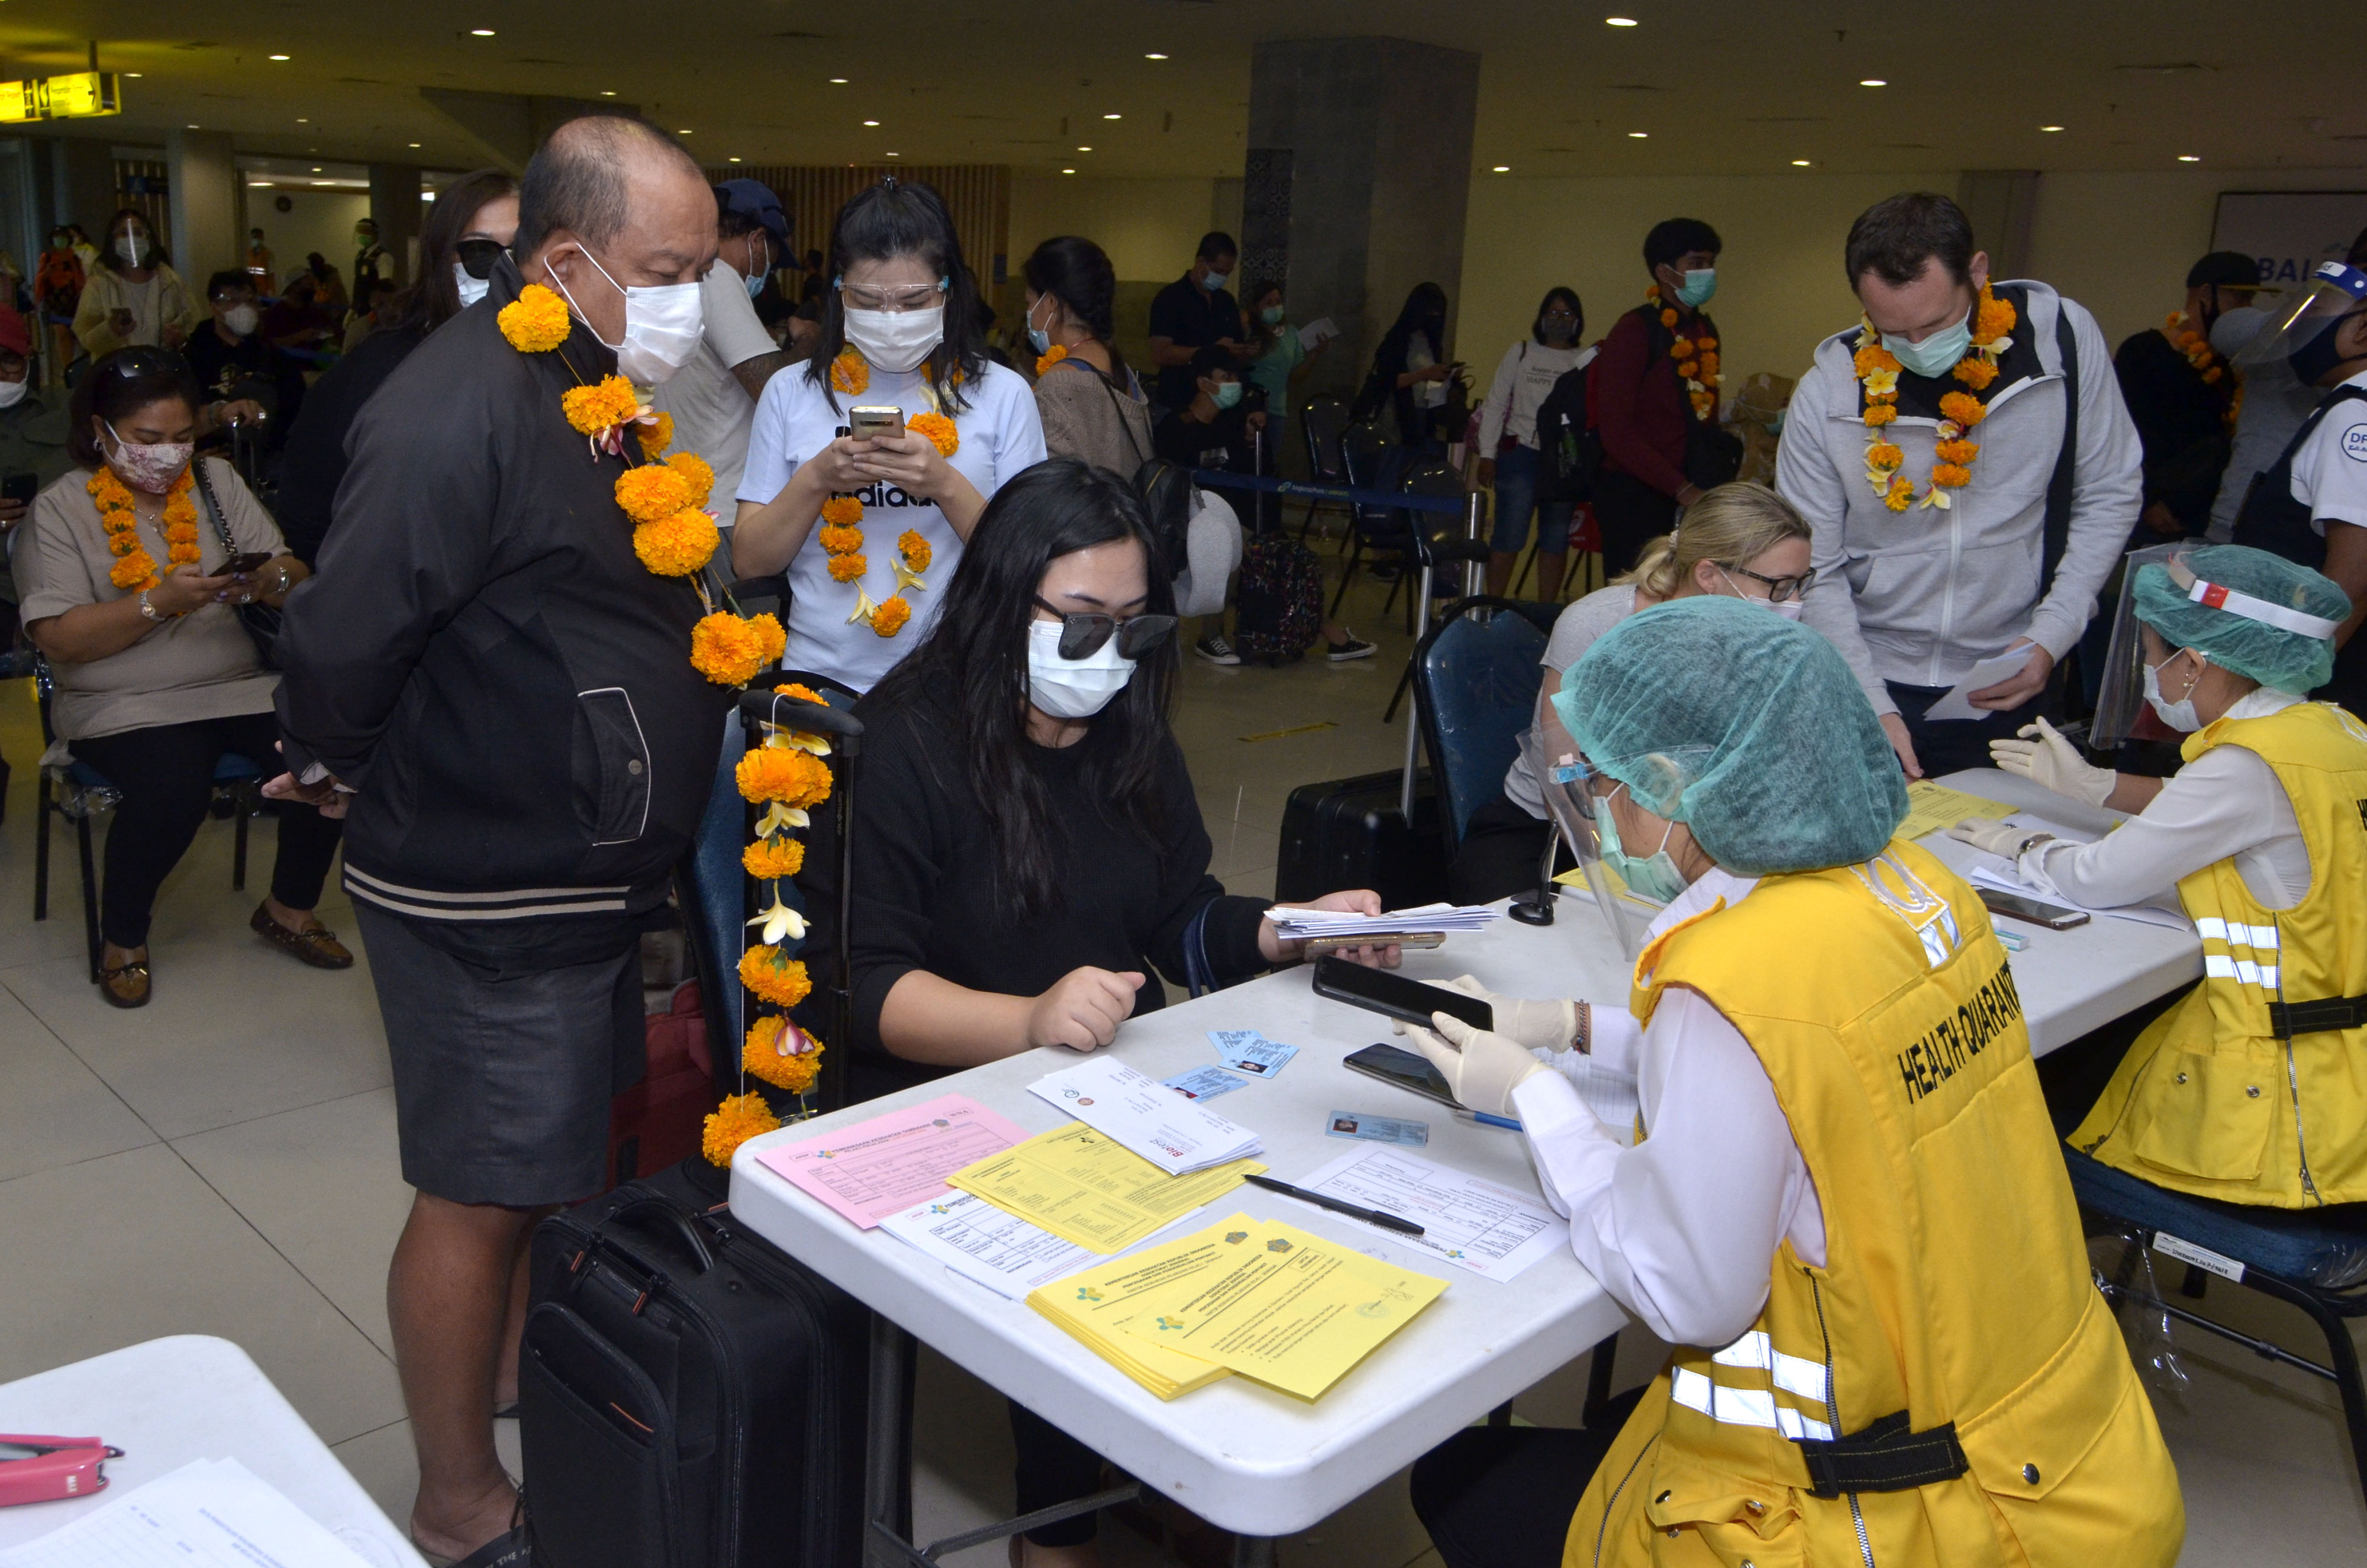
pixel 1084 1188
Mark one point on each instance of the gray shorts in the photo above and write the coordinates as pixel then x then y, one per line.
pixel 502 1080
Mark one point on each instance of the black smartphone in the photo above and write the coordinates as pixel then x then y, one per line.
pixel 1394 996
pixel 240 565
pixel 20 487
pixel 1407 1070
pixel 2053 917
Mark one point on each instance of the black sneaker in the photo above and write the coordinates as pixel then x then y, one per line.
pixel 1216 650
pixel 1354 648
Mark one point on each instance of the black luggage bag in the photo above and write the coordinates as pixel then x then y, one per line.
pixel 1350 833
pixel 689 1396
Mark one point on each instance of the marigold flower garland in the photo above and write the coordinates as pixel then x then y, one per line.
pixel 1049 357
pixel 1696 357
pixel 2206 361
pixel 134 570
pixel 841 533
pixel 1952 455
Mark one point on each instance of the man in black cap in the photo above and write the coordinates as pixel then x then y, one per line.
pixel 2180 394
pixel 713 397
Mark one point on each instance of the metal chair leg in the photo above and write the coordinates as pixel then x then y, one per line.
pixel 242 814
pixel 1405 684
pixel 1348 572
pixel 1522 580
pixel 2342 1355
pixel 1598 1379
pixel 42 849
pixel 89 892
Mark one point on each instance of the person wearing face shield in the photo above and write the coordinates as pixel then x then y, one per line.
pixel 712 400
pixel 499 695
pixel 1811 1151
pixel 2260 838
pixel 1030 847
pixel 2310 505
pixel 134 298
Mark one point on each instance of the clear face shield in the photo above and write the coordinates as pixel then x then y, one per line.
pixel 2305 316
pixel 1568 785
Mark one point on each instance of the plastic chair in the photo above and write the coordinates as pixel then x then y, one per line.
pixel 1475 691
pixel 2315 1259
pixel 1322 422
pixel 77 791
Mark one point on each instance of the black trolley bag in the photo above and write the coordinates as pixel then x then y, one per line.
pixel 690 1396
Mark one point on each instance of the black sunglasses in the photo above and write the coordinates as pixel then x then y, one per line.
pixel 476 256
pixel 1084 632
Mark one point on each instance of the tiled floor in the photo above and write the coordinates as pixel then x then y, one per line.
pixel 224 1163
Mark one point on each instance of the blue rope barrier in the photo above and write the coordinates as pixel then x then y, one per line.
pixel 1221 478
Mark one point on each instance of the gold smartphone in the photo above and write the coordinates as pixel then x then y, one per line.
pixel 1406 939
pixel 871 423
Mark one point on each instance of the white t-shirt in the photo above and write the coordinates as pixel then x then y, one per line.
pixel 711 411
pixel 1523 380
pixel 999 435
pixel 2329 472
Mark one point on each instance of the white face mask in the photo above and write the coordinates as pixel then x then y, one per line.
pixel 1072 688
pixel 241 320
pixel 2181 715
pixel 662 326
pixel 13 392
pixel 896 341
pixel 133 249
pixel 472 289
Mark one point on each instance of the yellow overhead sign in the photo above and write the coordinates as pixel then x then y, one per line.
pixel 78 96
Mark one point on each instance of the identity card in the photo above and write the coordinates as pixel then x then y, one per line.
pixel 1247 1051
pixel 1204 1083
pixel 1375 1129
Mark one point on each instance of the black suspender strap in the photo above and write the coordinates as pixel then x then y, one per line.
pixel 1884 1457
pixel 2334 1013
pixel 2058 533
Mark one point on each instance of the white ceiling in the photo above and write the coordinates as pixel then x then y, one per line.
pixel 1718 86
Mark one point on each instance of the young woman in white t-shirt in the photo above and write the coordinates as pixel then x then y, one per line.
pixel 1508 438
pixel 870 531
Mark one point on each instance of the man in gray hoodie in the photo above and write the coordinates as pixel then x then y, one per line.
pixel 1923 445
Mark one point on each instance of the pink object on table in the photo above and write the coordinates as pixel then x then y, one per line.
pixel 886 1165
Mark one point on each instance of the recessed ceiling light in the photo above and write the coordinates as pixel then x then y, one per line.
pixel 324 182
pixel 278 57
pixel 1618 21
pixel 838 80
pixel 608 92
pixel 1503 168
pixel 1084 149
pixel 894 155
pixel 1067 171
pixel 480 32
pixel 1872 81
pixel 414 145
pixel 196 127
pixel 1113 117
pixel 302 121
pixel 135 73
pixel 2182 157
pixel 871 123
pixel 730 160
pixel 1799 163
pixel 1640 135
pixel 316 169
pixel 684 131
pixel 1154 57
pixel 2050 128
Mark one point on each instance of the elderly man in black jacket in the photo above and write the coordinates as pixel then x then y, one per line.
pixel 504 693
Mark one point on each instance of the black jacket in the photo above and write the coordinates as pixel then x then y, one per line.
pixel 485 661
pixel 312 464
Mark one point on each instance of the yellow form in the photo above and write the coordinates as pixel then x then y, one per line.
pixel 1930 808
pixel 1289 1309
pixel 1092 1307
pixel 1085 1188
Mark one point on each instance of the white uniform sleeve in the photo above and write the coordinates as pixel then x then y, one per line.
pixel 772 455
pixel 1498 406
pixel 2329 473
pixel 732 327
pixel 1681 1228
pixel 2225 804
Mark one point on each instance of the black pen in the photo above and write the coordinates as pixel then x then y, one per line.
pixel 1371 1216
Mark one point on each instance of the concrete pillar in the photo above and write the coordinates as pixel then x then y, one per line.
pixel 202 175
pixel 2003 206
pixel 1354 185
pixel 394 206
pixel 83 170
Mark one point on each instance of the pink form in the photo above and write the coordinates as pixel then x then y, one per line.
pixel 883 1166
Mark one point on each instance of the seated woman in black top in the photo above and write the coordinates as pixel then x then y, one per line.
pixel 1026 844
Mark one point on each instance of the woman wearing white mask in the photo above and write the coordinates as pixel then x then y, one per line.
pixel 870 530
pixel 1740 541
pixel 134 298
pixel 124 592
pixel 2246 1090
pixel 1029 846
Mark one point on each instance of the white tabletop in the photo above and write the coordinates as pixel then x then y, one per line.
pixel 1260 1463
pixel 167 1401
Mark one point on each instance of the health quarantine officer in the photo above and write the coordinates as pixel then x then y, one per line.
pixel 2249 1089
pixel 1848 1211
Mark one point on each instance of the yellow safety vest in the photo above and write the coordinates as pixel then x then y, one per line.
pixel 1953 1304
pixel 2211 1100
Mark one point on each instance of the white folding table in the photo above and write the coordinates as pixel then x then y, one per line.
pixel 1244 1457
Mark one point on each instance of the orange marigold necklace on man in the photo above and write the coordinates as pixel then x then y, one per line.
pixel 1952 458
pixel 842 514
pixel 135 569
pixel 1696 358
pixel 2204 359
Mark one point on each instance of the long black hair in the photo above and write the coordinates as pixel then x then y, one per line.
pixel 435 298
pixel 1425 312
pixel 905 218
pixel 1569 297
pixel 1078 274
pixel 972 668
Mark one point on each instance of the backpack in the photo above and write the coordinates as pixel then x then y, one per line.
pixel 1278 607
pixel 1569 450
pixel 1169 495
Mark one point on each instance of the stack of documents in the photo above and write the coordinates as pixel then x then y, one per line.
pixel 885 1165
pixel 1932 808
pixel 1305 925
pixel 1087 1190
pixel 1177 1134
pixel 1259 1298
pixel 207 1514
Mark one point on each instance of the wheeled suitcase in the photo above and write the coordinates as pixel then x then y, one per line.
pixel 1350 833
pixel 689 1396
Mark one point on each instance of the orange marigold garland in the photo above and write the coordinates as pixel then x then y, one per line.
pixel 1877 371
pixel 696 472
pixel 656 433
pixel 1696 360
pixel 782 1054
pixel 843 510
pixel 889 618
pixel 651 490
pixel 733 1123
pixel 770 859
pixel 848 566
pixel 679 545
pixel 135 569
pixel 730 649
pixel 774 976
pixel 1049 357
pixel 789 774
pixel 602 407
pixel 536 322
pixel 940 430
pixel 850 373
pixel 838 540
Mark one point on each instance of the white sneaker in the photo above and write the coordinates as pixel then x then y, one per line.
pixel 1216 650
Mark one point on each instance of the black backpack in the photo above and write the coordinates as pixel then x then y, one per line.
pixel 1167 492
pixel 1570 451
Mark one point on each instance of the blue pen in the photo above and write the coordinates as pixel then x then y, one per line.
pixel 1487 1120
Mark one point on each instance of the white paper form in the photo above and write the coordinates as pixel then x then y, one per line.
pixel 207 1514
pixel 1138 1112
pixel 1987 673
pixel 1480 1226
pixel 994 1248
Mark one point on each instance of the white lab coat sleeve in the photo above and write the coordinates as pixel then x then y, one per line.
pixel 1814 478
pixel 1604 1074
pixel 2107 489
pixel 2221 805
pixel 1498 406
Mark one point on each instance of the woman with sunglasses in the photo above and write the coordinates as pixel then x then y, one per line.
pixel 1028 846
pixel 1740 541
pixel 468 228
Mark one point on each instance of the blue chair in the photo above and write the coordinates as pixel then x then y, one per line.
pixel 2315 1259
pixel 77 792
pixel 1322 422
pixel 1474 691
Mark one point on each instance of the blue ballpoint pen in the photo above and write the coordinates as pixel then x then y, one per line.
pixel 1487 1120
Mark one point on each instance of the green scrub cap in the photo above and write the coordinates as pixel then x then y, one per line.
pixel 1745 727
pixel 2245 610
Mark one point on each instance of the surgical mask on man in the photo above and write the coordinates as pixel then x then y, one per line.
pixel 1653 876
pixel 133 249
pixel 151 466
pixel 241 320
pixel 662 326
pixel 896 341
pixel 1072 688
pixel 1227 394
pixel 1789 609
pixel 2181 715
pixel 472 289
pixel 13 392
pixel 760 268
pixel 1213 280
pixel 1936 354
pixel 1700 283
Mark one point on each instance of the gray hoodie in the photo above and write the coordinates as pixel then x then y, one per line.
pixel 1919 596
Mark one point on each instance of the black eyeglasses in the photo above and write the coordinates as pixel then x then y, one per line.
pixel 1083 633
pixel 476 256
pixel 1779 589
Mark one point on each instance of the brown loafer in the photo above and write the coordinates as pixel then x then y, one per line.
pixel 318 947
pixel 125 985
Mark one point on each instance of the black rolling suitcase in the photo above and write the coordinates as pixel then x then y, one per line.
pixel 689 1396
pixel 1350 833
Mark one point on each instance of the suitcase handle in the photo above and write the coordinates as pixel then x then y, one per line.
pixel 682 1227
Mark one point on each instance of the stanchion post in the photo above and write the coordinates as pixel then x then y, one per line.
pixel 1474 506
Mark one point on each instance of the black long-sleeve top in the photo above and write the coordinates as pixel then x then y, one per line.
pixel 924 893
pixel 2183 420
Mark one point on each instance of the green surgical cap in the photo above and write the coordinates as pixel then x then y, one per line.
pixel 2278 657
pixel 1745 727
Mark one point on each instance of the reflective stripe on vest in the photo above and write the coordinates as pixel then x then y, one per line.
pixel 1744 1406
pixel 2221 937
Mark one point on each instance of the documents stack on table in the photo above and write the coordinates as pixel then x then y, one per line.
pixel 1293 924
pixel 207 1514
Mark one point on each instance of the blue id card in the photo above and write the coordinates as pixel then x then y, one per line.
pixel 1204 1083
pixel 1247 1051
pixel 1376 1129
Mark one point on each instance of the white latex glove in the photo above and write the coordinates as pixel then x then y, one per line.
pixel 1536 1023
pixel 1998 838
pixel 2045 758
pixel 1481 1066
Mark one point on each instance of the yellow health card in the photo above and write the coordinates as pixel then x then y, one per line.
pixel 1085 1188
pixel 1092 1306
pixel 1930 808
